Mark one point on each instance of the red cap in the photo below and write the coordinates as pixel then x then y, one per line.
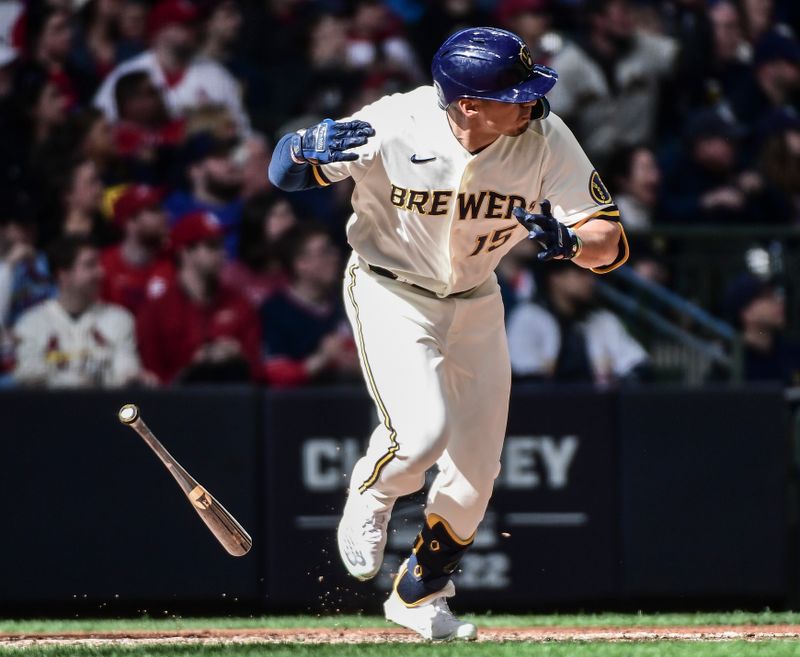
pixel 194 227
pixel 171 12
pixel 508 9
pixel 134 199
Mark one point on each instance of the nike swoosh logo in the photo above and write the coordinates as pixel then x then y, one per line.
pixel 417 160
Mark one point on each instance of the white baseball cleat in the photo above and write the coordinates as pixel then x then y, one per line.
pixel 432 620
pixel 362 537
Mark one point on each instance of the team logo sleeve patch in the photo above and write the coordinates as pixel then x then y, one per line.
pixel 598 190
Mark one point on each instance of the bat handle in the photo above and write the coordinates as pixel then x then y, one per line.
pixel 128 414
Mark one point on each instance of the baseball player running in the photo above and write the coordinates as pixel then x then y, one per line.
pixel 448 178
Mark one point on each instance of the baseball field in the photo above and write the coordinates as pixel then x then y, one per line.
pixel 598 635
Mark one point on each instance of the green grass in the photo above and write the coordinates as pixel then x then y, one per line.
pixel 169 622
pixel 671 649
pixel 512 649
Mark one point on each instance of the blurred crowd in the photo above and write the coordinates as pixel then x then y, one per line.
pixel 141 242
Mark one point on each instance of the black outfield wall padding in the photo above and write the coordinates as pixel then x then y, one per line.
pixel 604 499
pixel 704 492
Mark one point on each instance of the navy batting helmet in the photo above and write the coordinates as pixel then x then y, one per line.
pixel 486 62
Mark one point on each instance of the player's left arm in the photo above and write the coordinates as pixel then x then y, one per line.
pixel 594 243
pixel 584 224
pixel 602 244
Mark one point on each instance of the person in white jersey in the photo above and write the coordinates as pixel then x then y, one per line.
pixel 448 178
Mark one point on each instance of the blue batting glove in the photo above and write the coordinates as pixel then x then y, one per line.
pixel 329 141
pixel 556 239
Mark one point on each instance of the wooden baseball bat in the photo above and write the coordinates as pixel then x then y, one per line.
pixel 222 524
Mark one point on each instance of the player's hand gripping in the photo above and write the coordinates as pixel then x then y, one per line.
pixel 329 141
pixel 557 240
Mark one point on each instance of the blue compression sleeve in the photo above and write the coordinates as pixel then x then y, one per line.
pixel 285 173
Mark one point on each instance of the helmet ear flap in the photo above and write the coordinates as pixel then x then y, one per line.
pixel 541 110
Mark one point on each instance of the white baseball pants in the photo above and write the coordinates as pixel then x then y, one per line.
pixel 438 371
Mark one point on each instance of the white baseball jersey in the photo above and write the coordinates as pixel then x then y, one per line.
pixel 204 82
pixel 440 217
pixel 56 350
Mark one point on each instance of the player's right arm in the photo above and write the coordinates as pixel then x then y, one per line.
pixel 299 156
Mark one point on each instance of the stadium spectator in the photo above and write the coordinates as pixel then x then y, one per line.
pixel 608 89
pixel 567 338
pixel 213 119
pixel 779 159
pixel 774 82
pixel 12 23
pixel 758 17
pixel 95 47
pixel 8 60
pixel 138 268
pixel 531 19
pixel 328 80
pixel 707 183
pixel 336 88
pixel 14 146
pixel 40 108
pixel 377 41
pixel 719 57
pixel 636 181
pixel 138 101
pixel 132 26
pixel 85 134
pixel 75 340
pixel 305 336
pixel 254 154
pixel 24 275
pixel 275 37
pixel 48 41
pixel 222 44
pixel 758 309
pixel 257 271
pixel 688 23
pixel 184 80
pixel 441 19
pixel 94 139
pixel 731 52
pixel 649 262
pixel 199 330
pixel 515 276
pixel 222 29
pixel 75 207
pixel 144 134
pixel 215 183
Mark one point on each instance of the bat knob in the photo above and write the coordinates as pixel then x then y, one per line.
pixel 128 414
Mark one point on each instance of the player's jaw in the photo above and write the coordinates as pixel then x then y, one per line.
pixel 509 119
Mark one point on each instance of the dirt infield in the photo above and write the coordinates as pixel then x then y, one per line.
pixel 398 635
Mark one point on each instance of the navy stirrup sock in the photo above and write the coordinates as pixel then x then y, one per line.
pixel 436 555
